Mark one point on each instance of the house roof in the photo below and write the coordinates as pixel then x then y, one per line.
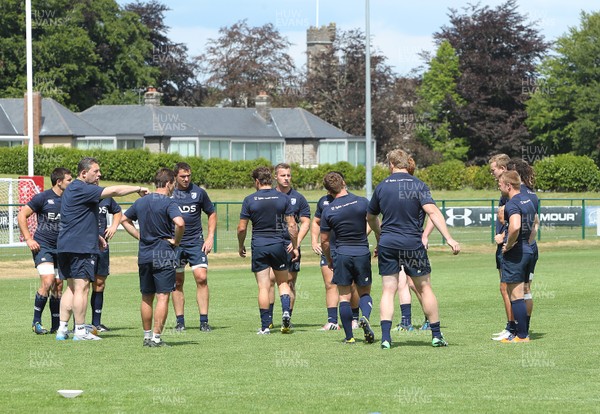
pixel 56 119
pixel 179 121
pixel 6 126
pixel 168 121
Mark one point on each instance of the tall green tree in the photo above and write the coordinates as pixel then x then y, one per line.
pixel 497 48
pixel 564 110
pixel 438 101
pixel 84 52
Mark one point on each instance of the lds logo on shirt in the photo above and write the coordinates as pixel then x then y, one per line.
pixel 194 195
pixel 293 201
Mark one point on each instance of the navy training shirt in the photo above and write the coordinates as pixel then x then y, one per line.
pixel 46 205
pixel 192 202
pixel 267 210
pixel 154 214
pixel 300 207
pixel 347 216
pixel 322 204
pixel 78 217
pixel 400 199
pixel 527 193
pixel 527 209
pixel 105 207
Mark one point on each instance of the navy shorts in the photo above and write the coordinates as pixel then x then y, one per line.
pixel 499 257
pixel 273 256
pixel 192 254
pixel 77 266
pixel 415 262
pixel 516 267
pixel 45 255
pixel 533 262
pixel 103 264
pixel 156 279
pixel 293 266
pixel 348 269
pixel 323 261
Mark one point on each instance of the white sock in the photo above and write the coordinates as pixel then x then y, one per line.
pixel 64 326
pixel 80 330
pixel 147 334
pixel 156 337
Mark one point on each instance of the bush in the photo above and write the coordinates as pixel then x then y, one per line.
pixel 449 175
pixel 567 172
pixel 483 179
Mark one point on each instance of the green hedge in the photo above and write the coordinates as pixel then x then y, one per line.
pixel 567 172
pixel 556 173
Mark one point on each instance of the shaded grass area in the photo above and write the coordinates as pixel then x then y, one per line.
pixel 234 370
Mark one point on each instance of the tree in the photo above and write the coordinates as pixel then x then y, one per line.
pixel 564 110
pixel 178 74
pixel 438 100
pixel 245 60
pixel 336 88
pixel 497 49
pixel 84 51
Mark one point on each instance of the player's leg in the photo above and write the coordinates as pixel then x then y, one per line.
pixel 354 303
pixel 164 281
pixel 405 299
pixel 271 296
pixel 293 269
pixel 362 276
pixel 66 309
pixel 389 287
pixel 510 324
pixel 98 286
pixel 202 295
pixel 148 290
pixel 516 293
pixel 331 298
pixel 146 314
pixel 411 286
pixel 46 273
pixel 345 293
pixel 66 302
pixel 55 297
pixel 178 295
pixel 97 302
pixel 430 308
pixel 281 279
pixel 389 269
pixel 528 296
pixel 263 282
pixel 81 287
pixel 292 278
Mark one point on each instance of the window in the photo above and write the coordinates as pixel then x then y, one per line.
pixel 228 150
pixel 354 152
pixel 272 151
pixel 130 142
pixel 10 143
pixel 332 152
pixel 184 147
pixel 105 143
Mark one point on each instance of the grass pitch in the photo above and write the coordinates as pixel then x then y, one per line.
pixel 234 370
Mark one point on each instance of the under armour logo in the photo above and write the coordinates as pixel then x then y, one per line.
pixel 452 216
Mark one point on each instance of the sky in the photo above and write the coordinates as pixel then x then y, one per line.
pixel 400 29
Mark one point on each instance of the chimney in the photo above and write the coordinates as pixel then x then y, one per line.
pixel 37 116
pixel 263 106
pixel 152 97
